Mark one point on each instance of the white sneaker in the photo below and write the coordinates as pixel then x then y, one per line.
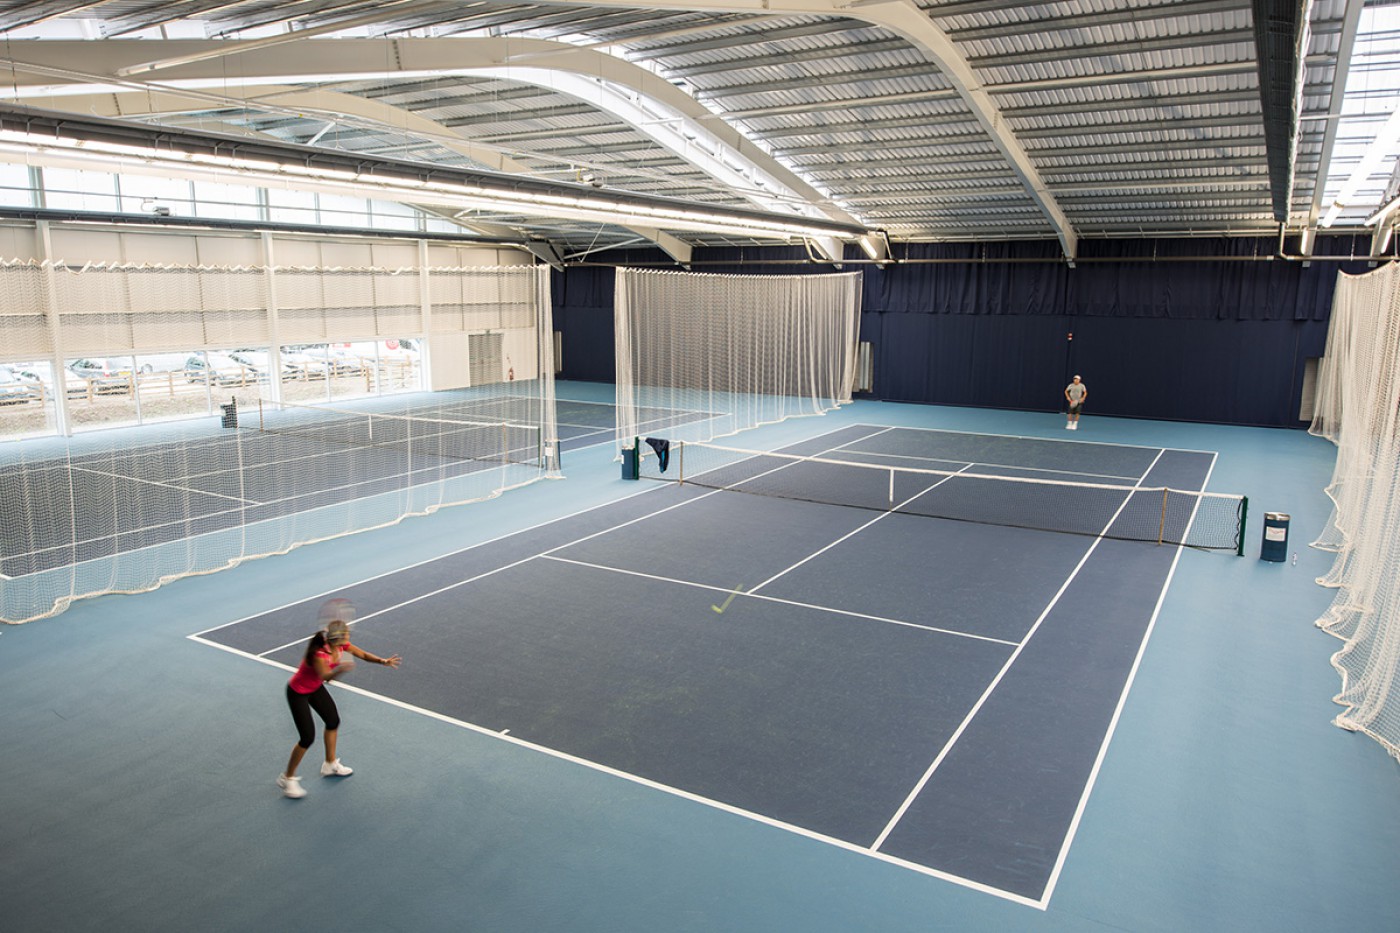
pixel 1074 427
pixel 291 786
pixel 335 769
pixel 1069 426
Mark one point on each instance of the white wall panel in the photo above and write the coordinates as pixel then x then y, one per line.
pixel 157 248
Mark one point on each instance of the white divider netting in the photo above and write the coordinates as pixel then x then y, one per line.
pixel 124 511
pixel 1356 408
pixel 701 356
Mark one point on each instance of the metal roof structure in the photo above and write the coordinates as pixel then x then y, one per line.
pixel 919 120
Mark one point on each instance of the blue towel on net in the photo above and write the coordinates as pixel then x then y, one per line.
pixel 663 451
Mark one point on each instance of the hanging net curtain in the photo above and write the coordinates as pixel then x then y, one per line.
pixel 1357 408
pixel 124 511
pixel 701 356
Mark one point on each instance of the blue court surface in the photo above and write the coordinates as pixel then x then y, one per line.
pixel 934 693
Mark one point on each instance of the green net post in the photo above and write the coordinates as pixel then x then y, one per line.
pixel 632 460
pixel 1244 513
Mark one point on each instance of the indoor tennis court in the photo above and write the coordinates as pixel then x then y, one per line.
pixel 887 466
pixel 690 639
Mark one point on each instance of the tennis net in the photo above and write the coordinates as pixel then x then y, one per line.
pixel 1212 521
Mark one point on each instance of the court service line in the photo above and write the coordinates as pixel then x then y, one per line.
pixel 152 482
pixel 991 687
pixel 779 600
pixel 1051 440
pixel 471 547
pixel 985 463
pixel 517 563
pixel 524 560
pixel 426 561
pixel 857 530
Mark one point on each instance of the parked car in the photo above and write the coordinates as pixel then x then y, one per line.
pixel 321 360
pixel 161 362
pixel 19 385
pixel 260 361
pixel 100 376
pixel 218 369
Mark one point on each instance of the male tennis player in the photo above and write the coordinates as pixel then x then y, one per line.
pixel 1075 393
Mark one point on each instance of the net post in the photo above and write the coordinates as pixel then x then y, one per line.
pixel 261 426
pixel 1239 534
pixel 1162 523
pixel 680 465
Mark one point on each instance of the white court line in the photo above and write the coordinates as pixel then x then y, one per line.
pixel 1118 709
pixel 646 782
pixel 877 518
pixel 512 564
pixel 991 687
pixel 1052 440
pixel 779 600
pixel 983 463
pixel 471 547
pixel 152 482
pixel 250 503
pixel 517 563
pixel 863 850
pixel 429 560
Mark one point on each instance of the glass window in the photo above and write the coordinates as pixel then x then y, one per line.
pixel 389 215
pixel 339 211
pixel 169 387
pixel 234 202
pixel 143 194
pixel 101 392
pixel 434 224
pixel 73 190
pixel 291 207
pixel 14 186
pixel 26 400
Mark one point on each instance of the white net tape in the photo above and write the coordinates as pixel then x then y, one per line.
pixel 1356 408
pixel 703 356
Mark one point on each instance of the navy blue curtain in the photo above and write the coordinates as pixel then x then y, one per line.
pixel 1199 329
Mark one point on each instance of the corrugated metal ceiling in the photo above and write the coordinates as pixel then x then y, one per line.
pixel 1084 118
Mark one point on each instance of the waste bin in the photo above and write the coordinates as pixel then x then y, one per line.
pixel 630 467
pixel 230 419
pixel 1275 544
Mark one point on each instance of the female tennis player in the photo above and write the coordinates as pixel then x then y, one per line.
pixel 324 661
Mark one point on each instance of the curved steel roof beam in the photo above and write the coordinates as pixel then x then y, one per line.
pixel 606 81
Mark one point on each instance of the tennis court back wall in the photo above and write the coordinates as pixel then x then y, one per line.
pixel 1191 329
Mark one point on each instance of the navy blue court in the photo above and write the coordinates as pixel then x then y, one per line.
pixel 935 693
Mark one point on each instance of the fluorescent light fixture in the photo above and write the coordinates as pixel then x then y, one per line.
pixel 37 137
pixel 1379 149
pixel 1385 211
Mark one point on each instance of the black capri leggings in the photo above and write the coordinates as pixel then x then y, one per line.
pixel 303 703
